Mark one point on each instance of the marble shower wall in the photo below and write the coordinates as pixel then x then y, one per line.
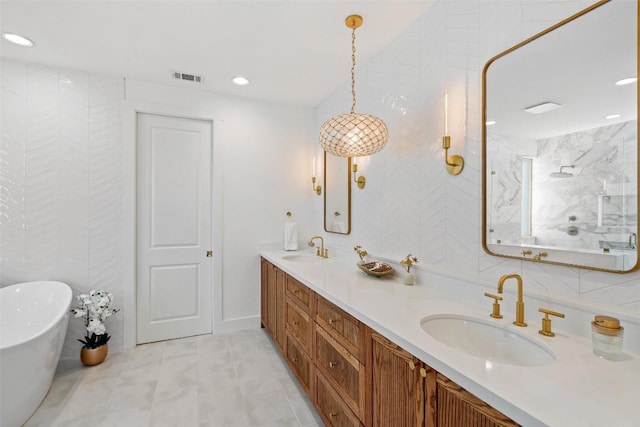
pixel 604 174
pixel 61 209
pixel 603 177
pixel 410 203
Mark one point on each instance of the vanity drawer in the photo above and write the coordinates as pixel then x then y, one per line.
pixel 299 292
pixel 300 363
pixel 344 327
pixel 331 407
pixel 342 370
pixel 299 325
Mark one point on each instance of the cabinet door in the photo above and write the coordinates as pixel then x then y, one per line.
pixel 264 292
pixel 459 408
pixel 280 309
pixel 398 398
pixel 271 300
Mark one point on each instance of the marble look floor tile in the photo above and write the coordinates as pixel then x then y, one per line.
pixel 137 417
pixel 229 380
pixel 177 407
pixel 178 372
pixel 270 410
pixel 139 395
pixel 300 403
pixel 180 347
pixel 221 405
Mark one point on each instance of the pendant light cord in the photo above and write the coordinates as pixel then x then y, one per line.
pixel 353 69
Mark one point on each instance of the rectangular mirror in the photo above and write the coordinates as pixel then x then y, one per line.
pixel 560 157
pixel 337 194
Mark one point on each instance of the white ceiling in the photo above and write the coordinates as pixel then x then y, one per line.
pixel 297 51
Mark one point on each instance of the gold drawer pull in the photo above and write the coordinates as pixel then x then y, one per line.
pixel 295 360
pixel 423 373
pixel 295 323
pixel 333 414
pixel 332 321
pixel 295 291
pixel 412 365
pixel 333 364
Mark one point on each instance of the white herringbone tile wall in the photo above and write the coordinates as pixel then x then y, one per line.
pixel 410 203
pixel 61 190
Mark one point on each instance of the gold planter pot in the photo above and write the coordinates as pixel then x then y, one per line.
pixel 94 356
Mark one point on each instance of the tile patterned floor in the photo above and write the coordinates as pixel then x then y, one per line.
pixel 234 380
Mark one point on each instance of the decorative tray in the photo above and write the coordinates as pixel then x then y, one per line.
pixel 376 268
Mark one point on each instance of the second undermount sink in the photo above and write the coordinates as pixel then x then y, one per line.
pixel 485 339
pixel 301 258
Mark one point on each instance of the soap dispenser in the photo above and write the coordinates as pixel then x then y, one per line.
pixel 607 336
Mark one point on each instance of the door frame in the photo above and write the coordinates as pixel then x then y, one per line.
pixel 129 214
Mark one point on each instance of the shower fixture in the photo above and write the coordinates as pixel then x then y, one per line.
pixel 562 174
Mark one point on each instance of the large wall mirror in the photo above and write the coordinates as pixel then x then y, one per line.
pixel 337 194
pixel 560 152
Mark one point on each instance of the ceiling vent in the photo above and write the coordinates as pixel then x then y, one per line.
pixel 189 77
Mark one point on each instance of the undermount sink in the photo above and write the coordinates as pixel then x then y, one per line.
pixel 487 340
pixel 301 258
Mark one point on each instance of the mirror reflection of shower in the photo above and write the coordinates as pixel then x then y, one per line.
pixel 562 174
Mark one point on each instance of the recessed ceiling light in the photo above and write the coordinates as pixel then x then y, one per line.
pixel 490 122
pixel 240 81
pixel 542 108
pixel 18 39
pixel 612 116
pixel 626 81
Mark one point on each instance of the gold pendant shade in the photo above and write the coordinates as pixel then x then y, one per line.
pixel 353 134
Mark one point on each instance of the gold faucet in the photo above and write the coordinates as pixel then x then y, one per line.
pixel 540 255
pixel 321 252
pixel 520 304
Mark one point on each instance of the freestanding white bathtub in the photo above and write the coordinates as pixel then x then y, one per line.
pixel 33 322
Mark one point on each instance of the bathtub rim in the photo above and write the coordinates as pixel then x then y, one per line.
pixel 54 321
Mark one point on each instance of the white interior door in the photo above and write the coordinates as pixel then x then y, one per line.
pixel 174 239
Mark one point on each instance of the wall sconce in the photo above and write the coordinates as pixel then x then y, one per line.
pixel 316 188
pixel 454 163
pixel 361 180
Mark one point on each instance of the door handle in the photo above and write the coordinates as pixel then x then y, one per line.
pixel 209 254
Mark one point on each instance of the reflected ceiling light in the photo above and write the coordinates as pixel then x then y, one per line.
pixel 626 81
pixel 240 81
pixel 18 39
pixel 490 122
pixel 353 135
pixel 542 108
pixel 612 116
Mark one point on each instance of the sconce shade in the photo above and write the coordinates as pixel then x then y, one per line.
pixel 353 135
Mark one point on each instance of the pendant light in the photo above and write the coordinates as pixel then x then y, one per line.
pixel 353 135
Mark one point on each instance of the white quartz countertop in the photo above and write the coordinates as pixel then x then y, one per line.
pixel 578 389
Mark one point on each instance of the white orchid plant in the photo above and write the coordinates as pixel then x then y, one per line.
pixel 94 307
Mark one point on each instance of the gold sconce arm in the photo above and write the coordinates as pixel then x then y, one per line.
pixel 361 181
pixel 317 189
pixel 454 163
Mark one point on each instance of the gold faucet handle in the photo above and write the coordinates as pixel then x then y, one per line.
pixel 526 252
pixel 496 305
pixel 546 322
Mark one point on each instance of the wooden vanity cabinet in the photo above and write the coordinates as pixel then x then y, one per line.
pixel 407 392
pixel 340 354
pixel 355 376
pixel 403 388
pixel 272 301
pixel 456 407
pixel 299 330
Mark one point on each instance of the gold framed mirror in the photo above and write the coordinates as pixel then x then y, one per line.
pixel 337 194
pixel 559 143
